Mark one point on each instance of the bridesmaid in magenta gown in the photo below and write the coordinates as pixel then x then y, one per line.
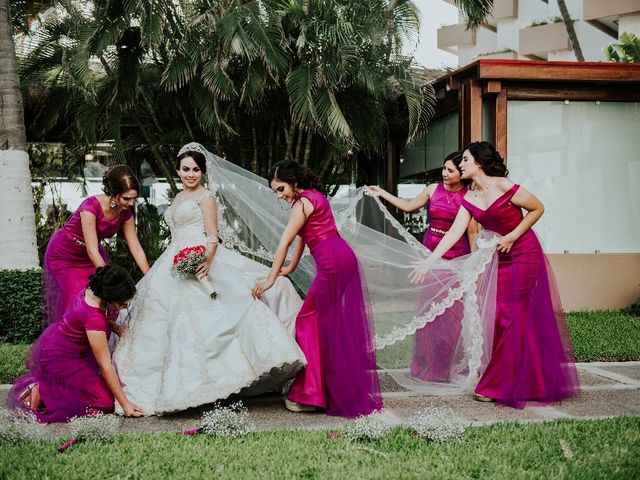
pixel 74 252
pixel 70 369
pixel 436 342
pixel 333 328
pixel 531 356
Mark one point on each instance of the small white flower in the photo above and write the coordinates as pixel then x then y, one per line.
pixel 227 421
pixel 437 424
pixel 20 427
pixel 98 428
pixel 369 427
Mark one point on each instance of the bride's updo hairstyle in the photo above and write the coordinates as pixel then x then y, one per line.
pixel 198 157
pixel 486 155
pixel 295 175
pixel 112 284
pixel 118 180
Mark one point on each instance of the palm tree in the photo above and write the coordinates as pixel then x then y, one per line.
pixel 477 12
pixel 17 219
pixel 627 51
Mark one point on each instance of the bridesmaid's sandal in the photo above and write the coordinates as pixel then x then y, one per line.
pixel 30 397
pixel 482 398
pixel 298 407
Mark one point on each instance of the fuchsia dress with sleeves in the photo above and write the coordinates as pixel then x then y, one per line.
pixel 435 343
pixel 63 366
pixel 334 327
pixel 531 357
pixel 67 265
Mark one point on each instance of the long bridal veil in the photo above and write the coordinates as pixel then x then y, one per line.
pixel 459 293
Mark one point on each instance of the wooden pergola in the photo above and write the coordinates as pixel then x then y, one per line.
pixel 498 81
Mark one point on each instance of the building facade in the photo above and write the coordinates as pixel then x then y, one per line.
pixel 534 30
pixel 569 133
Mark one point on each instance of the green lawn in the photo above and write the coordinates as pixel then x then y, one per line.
pixel 596 336
pixel 561 449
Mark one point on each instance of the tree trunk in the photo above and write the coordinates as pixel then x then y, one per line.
pixel 254 161
pixel 17 218
pixel 299 146
pixel 573 37
pixel 290 136
pixel 307 149
pixel 166 170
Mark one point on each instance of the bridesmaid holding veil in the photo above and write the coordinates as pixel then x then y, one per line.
pixel 531 357
pixel 74 252
pixel 333 327
pixel 435 343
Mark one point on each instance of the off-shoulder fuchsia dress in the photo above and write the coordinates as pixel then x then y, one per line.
pixel 334 327
pixel 63 366
pixel 67 265
pixel 435 343
pixel 531 357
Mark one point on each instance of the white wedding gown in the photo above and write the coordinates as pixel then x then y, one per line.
pixel 181 349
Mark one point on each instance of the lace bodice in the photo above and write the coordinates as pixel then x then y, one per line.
pixel 186 223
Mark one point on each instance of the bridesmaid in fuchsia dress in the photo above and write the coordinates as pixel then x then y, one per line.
pixel 74 252
pixel 531 355
pixel 435 343
pixel 70 369
pixel 333 328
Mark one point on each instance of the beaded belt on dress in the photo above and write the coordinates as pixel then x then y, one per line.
pixel 437 230
pixel 75 239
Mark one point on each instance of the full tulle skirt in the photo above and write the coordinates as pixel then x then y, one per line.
pixel 531 357
pixel 67 377
pixel 335 333
pixel 66 272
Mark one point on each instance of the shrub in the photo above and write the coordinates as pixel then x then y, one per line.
pixel 20 305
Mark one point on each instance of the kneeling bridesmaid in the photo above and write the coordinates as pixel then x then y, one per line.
pixel 70 369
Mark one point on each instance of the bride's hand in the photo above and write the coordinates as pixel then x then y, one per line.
pixel 260 288
pixel 288 270
pixel 203 269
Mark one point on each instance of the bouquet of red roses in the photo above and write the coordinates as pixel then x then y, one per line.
pixel 185 264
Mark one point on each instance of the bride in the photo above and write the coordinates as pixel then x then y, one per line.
pixel 180 348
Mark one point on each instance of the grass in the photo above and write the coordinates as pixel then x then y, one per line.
pixel 575 449
pixel 604 336
pixel 596 336
pixel 12 361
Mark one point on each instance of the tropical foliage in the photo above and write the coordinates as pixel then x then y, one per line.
pixel 319 81
pixel 628 50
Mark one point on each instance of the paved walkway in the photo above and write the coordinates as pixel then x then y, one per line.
pixel 609 389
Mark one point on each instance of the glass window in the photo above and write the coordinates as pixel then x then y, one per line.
pixel 582 159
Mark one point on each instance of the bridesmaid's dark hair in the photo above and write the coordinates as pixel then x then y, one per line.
pixel 486 155
pixel 294 174
pixel 112 284
pixel 118 180
pixel 456 159
pixel 198 157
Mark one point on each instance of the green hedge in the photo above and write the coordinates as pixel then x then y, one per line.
pixel 20 305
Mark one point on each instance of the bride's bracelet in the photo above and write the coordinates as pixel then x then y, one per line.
pixel 212 239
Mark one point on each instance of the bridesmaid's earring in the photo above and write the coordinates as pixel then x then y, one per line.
pixel 112 203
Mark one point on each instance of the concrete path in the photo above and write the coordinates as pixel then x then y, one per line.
pixel 609 389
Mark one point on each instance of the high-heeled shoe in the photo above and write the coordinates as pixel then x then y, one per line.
pixel 298 407
pixel 25 396
pixel 482 398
